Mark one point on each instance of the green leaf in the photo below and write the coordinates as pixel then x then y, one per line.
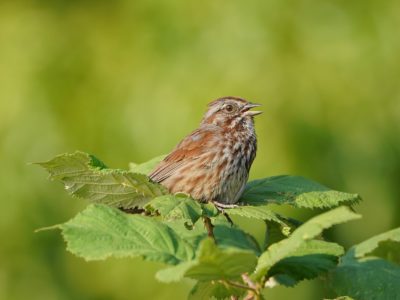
pixel 385 245
pixel 389 250
pixel 209 210
pixel 256 212
pixel 188 211
pixel 366 278
pixel 192 235
pixel 84 176
pixel 296 191
pixel 363 276
pixel 147 167
pixel 263 212
pixel 305 232
pixel 318 247
pixel 213 290
pixel 311 259
pixel 175 273
pixel 227 236
pixel 172 208
pixel 212 263
pixel 274 233
pixel 100 231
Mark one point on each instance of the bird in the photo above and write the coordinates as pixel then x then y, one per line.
pixel 212 163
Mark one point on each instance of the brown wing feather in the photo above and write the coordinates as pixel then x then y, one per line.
pixel 190 148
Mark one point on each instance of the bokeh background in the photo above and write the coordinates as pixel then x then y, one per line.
pixel 126 80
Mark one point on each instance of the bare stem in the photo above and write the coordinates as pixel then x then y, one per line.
pixel 237 285
pixel 249 282
pixel 209 226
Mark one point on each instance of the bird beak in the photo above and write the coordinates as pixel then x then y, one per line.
pixel 248 112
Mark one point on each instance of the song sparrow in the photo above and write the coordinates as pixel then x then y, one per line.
pixel 212 163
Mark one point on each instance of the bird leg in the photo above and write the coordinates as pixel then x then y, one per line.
pixel 224 205
pixel 221 208
pixel 228 218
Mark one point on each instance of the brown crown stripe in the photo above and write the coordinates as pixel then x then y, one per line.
pixel 228 98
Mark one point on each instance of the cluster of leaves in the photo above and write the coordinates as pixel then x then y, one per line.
pixel 169 229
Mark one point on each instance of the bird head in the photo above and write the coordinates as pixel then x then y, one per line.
pixel 230 112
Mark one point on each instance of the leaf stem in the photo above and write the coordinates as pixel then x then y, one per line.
pixel 249 282
pixel 237 285
pixel 209 226
pixel 252 288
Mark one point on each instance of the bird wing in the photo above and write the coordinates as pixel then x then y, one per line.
pixel 189 149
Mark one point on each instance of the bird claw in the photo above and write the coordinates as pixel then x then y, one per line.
pixel 221 206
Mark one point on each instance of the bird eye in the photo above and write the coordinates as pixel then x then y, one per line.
pixel 229 108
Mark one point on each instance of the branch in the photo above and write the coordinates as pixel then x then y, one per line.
pixel 253 290
pixel 237 285
pixel 209 226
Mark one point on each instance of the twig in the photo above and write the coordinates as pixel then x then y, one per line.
pixel 237 285
pixel 249 282
pixel 209 226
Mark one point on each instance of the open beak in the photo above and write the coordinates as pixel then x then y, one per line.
pixel 247 112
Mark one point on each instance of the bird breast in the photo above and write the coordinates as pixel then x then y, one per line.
pixel 218 174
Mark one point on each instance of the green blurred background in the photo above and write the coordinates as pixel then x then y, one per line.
pixel 126 80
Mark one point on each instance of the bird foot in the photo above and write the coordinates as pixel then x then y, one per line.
pixel 221 206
